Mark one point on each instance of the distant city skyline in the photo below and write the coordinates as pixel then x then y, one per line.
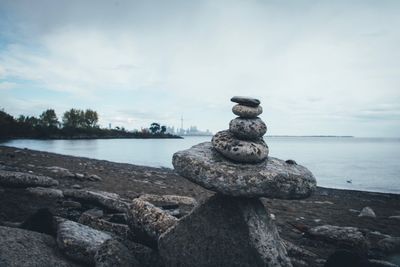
pixel 318 67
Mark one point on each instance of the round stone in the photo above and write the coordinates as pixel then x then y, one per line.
pixel 247 129
pixel 246 111
pixel 240 150
pixel 273 178
pixel 246 101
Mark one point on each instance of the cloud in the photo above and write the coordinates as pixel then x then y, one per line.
pixel 135 61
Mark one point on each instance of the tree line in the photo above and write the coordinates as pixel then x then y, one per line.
pixel 75 123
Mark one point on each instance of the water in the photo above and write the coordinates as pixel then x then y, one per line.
pixel 371 164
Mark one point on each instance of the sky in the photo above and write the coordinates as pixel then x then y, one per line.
pixel 318 67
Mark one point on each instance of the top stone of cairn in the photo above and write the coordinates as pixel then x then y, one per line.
pixel 246 101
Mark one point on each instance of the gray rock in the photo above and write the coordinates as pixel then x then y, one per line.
pixel 381 263
pixel 273 178
pixel 113 253
pixel 23 248
pixel 147 222
pixel 107 200
pixel 71 204
pixel 79 242
pixel 240 150
pixel 246 101
pixel 246 111
pixel 224 231
pixel 63 172
pixel 389 245
pixel 91 219
pixel 45 192
pixel 247 129
pixel 94 177
pixel 76 186
pixel 173 199
pixel 395 217
pixel 177 206
pixel 346 237
pixel 21 179
pixel 367 212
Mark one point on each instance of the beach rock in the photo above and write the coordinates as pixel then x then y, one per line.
pixel 177 206
pixel 111 201
pixel 171 199
pixel 45 192
pixel 380 263
pixel 273 178
pixel 79 242
pixel 246 111
pixel 240 150
pixel 146 256
pixel 246 101
pixel 71 204
pixel 247 129
pixel 21 179
pixel 395 217
pixel 23 248
pixel 94 178
pixel 224 231
pixel 113 253
pixel 63 172
pixel 345 237
pixel 147 222
pixel 91 219
pixel 389 245
pixel 367 212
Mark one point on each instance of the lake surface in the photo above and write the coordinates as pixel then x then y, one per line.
pixel 371 164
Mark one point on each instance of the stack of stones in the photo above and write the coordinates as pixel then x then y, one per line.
pixel 233 228
pixel 243 141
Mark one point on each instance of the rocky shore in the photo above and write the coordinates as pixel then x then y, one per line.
pixel 49 201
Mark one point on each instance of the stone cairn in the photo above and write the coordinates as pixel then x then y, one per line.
pixel 233 228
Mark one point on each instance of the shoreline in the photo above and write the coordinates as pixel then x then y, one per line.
pixel 164 167
pixel 326 206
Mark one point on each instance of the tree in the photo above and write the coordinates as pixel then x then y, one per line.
pixel 91 118
pixel 49 119
pixel 73 118
pixel 154 127
pixel 163 129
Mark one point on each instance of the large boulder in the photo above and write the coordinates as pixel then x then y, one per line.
pixel 224 231
pixel 22 179
pixel 273 178
pixel 20 248
pixel 79 242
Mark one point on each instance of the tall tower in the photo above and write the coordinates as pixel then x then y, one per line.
pixel 182 122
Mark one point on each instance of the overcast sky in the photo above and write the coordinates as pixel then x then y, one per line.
pixel 318 67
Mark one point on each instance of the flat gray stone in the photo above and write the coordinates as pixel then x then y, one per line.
pixel 23 248
pixel 247 129
pixel 348 237
pixel 110 201
pixel 79 242
pixel 45 192
pixel 246 111
pixel 246 101
pixel 21 179
pixel 240 150
pixel 224 231
pixel 273 178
